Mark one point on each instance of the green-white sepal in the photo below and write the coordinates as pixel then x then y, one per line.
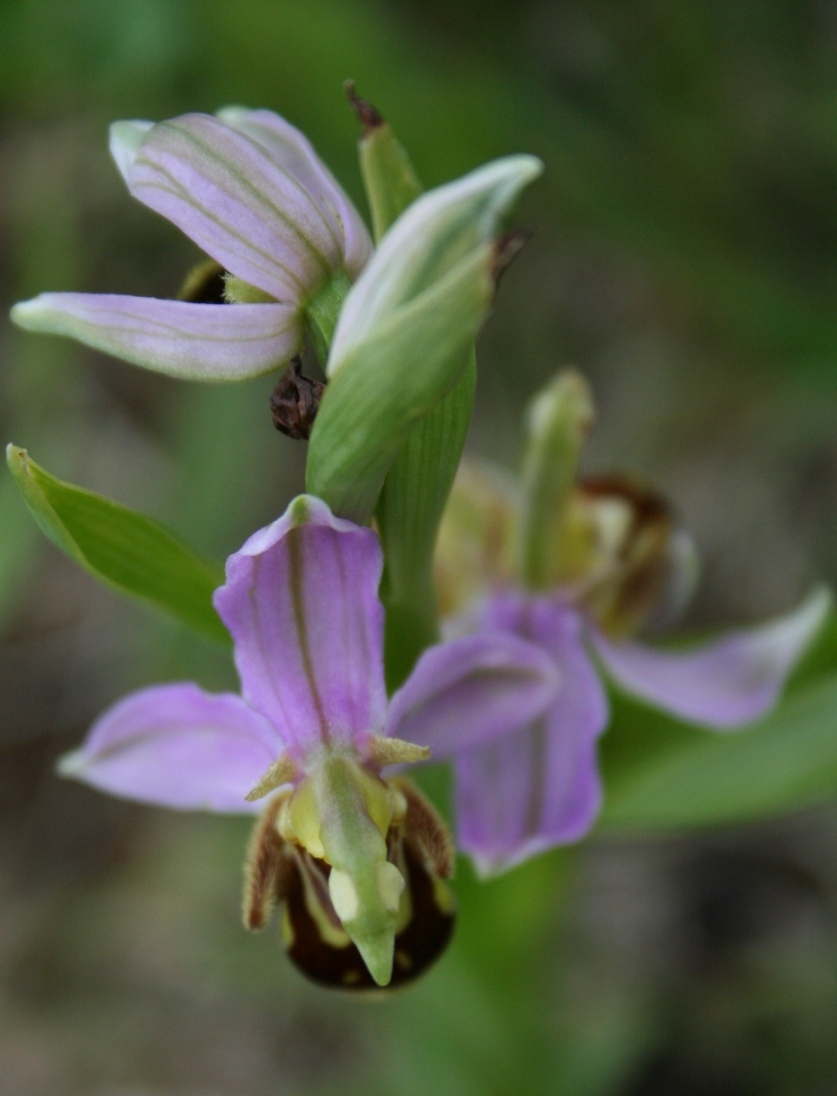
pixel 405 332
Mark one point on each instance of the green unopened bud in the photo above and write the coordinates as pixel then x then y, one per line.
pixel 559 421
pixel 404 334
pixel 388 174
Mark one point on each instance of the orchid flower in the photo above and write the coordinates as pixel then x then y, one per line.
pixel 579 569
pixel 251 192
pixel 357 858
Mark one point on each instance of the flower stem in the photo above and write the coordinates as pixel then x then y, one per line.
pixel 322 311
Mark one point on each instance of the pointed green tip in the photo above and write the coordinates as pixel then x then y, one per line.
pixel 377 951
pixel 17 459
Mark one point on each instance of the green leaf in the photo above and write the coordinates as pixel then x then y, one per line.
pixel 126 550
pixel 660 774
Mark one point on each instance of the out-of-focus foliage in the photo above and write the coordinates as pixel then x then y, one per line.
pixel 685 257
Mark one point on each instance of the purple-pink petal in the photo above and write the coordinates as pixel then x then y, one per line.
pixel 230 194
pixel 177 746
pixel 472 689
pixel 724 684
pixel 539 786
pixel 296 154
pixel 211 342
pixel 301 603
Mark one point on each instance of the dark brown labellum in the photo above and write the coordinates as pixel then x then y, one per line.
pixel 278 872
pixel 319 955
pixel 294 402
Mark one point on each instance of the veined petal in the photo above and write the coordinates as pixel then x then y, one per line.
pixel 210 342
pixel 472 689
pixel 301 603
pixel 724 684
pixel 538 787
pixel 292 149
pixel 177 746
pixel 231 195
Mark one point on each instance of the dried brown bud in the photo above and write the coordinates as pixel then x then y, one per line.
pixel 294 402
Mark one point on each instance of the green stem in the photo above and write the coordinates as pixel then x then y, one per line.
pixel 322 311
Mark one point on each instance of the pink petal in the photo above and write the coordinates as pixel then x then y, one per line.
pixel 724 684
pixel 211 342
pixel 177 746
pixel 301 603
pixel 230 194
pixel 295 153
pixel 539 786
pixel 472 689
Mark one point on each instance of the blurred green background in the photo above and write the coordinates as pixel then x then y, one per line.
pixel 685 256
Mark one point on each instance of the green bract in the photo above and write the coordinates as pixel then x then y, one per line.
pixel 126 550
pixel 419 480
pixel 404 335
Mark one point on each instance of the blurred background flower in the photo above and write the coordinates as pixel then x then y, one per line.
pixel 685 257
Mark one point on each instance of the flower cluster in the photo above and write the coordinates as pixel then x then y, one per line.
pixel 632 566
pixel 344 678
